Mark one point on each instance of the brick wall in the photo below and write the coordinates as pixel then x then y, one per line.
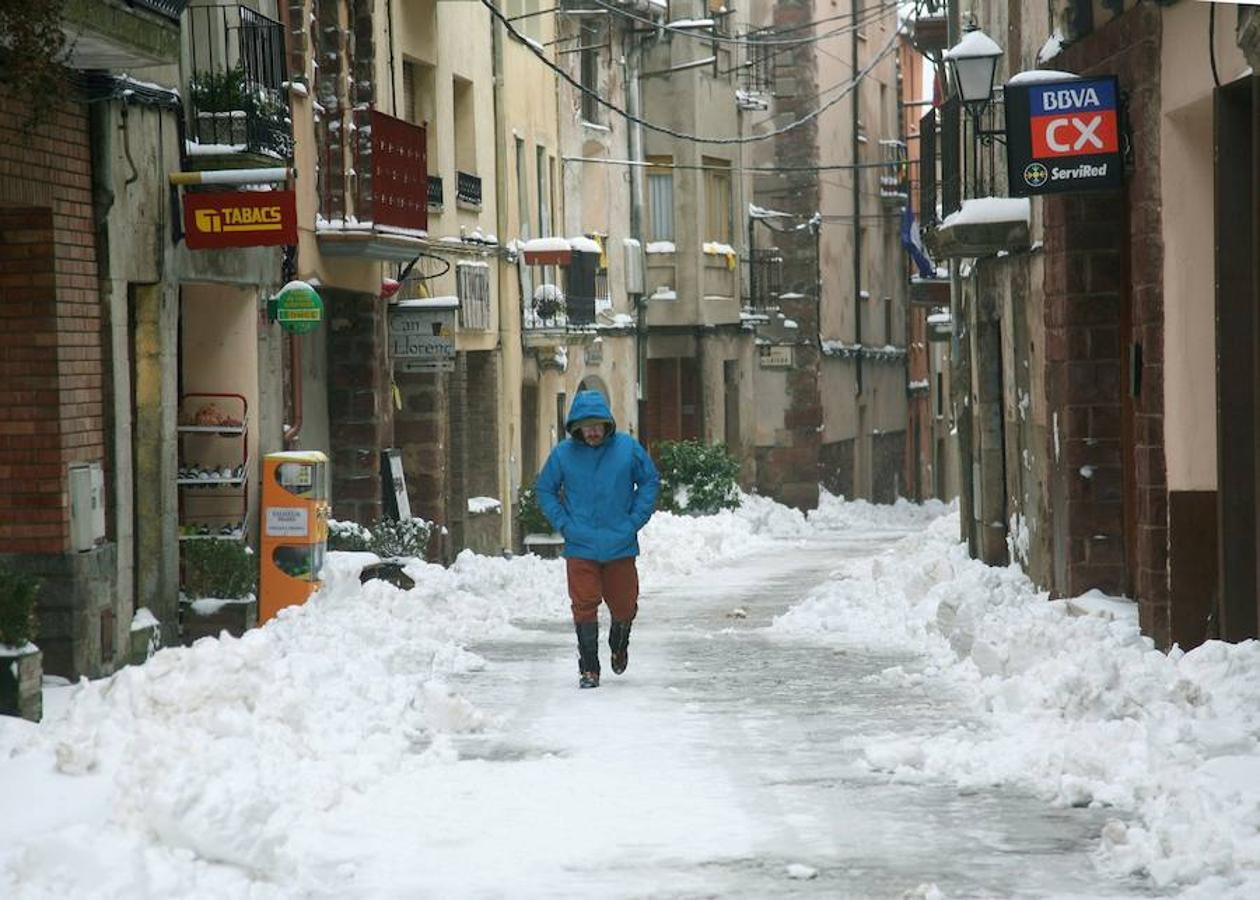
pixel 51 356
pixel 789 471
pixel 1104 291
pixel 360 407
pixel 474 456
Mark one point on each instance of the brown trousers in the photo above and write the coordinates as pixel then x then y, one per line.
pixel 616 582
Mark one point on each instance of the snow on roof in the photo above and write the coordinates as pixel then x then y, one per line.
pixel 1042 76
pixel 546 245
pixel 429 303
pixel 990 209
pixel 584 245
pixel 759 212
pixel 1051 48
pixel 973 44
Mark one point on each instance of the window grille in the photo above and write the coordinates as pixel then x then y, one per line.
pixel 472 284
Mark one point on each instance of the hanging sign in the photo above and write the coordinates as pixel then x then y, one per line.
pixel 240 219
pixel 1063 136
pixel 297 308
pixel 422 334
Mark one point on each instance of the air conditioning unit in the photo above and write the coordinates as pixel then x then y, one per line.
pixel 87 506
pixel 634 266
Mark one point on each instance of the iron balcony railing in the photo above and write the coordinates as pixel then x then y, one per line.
pixel 468 189
pixel 765 276
pixel 171 9
pixel 236 99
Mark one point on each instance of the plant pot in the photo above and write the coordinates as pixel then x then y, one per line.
pixel 22 682
pixel 227 127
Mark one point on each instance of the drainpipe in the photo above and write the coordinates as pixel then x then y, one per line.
pixel 508 344
pixel 857 208
pixel 634 137
pixel 292 431
pixel 960 365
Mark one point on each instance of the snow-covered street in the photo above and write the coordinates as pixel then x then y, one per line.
pixel 844 706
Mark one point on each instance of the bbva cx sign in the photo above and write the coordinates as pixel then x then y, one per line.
pixel 1063 136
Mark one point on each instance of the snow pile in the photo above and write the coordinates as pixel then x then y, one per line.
pixel 188 775
pixel 1079 708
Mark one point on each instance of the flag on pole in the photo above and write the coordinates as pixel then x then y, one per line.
pixel 913 242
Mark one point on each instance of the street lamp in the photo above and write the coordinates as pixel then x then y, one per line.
pixel 974 60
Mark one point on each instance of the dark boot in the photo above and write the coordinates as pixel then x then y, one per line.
pixel 588 653
pixel 619 644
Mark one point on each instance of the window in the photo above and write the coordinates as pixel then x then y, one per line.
pixel 544 193
pixel 717 199
pixel 522 192
pixel 420 108
pixel 660 187
pixel 465 127
pixel 472 284
pixel 590 43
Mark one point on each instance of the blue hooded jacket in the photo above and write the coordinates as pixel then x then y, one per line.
pixel 609 491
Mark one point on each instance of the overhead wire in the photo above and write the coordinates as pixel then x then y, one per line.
pixel 535 48
pixel 868 15
pixel 739 41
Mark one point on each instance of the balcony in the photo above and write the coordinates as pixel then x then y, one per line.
pixel 435 193
pixel 894 176
pixel 112 34
pixel 553 313
pixel 467 190
pixel 237 105
pixel 765 279
pixel 379 207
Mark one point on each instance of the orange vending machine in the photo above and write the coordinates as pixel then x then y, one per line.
pixel 294 528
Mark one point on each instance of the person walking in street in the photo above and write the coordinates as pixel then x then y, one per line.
pixel 598 488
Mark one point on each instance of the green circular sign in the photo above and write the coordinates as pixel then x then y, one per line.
pixel 298 308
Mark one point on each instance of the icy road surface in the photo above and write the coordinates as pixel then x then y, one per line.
pixel 726 762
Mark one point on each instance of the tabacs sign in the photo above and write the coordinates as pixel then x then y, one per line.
pixel 1063 136
pixel 240 219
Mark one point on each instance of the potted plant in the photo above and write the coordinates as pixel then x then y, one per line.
pixel 222 103
pixel 539 537
pixel 21 663
pixel 219 586
pixel 697 479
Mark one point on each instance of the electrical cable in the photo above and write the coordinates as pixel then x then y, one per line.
pixel 1212 43
pixel 836 167
pixel 869 15
pixel 723 39
pixel 538 51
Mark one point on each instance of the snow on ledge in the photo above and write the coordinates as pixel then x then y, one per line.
pixel 1042 76
pixel 1105 606
pixel 478 505
pixel 143 619
pixel 546 245
pixel 661 247
pixel 984 210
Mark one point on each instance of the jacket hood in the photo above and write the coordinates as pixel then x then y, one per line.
pixel 589 405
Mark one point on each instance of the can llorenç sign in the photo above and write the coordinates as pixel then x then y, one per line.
pixel 297 308
pixel 240 219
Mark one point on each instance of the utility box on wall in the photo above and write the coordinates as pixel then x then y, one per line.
pixel 87 506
